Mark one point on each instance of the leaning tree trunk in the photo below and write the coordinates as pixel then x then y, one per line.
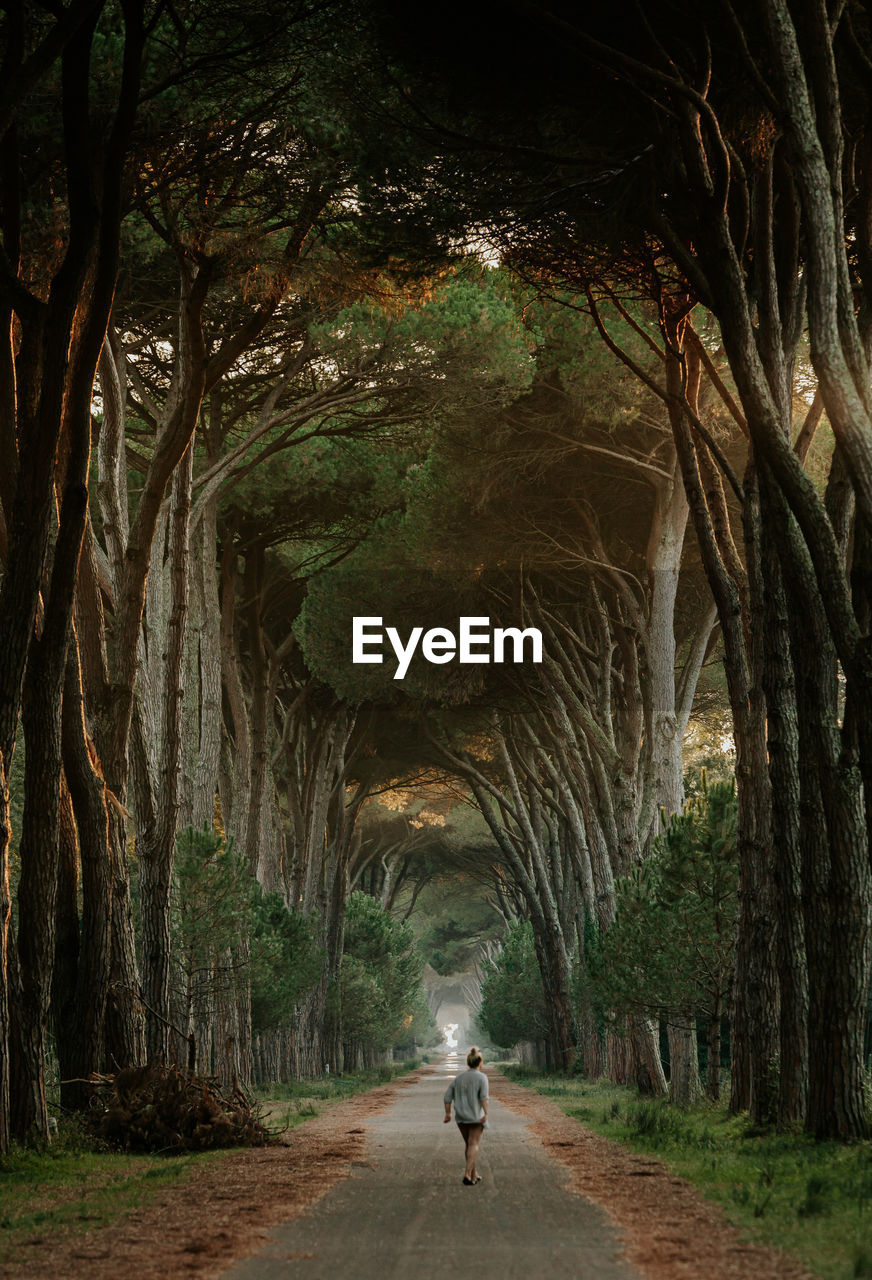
pixel 158 845
pixel 667 726
pixel 754 1012
pixel 40 831
pixel 788 814
pixel 79 1024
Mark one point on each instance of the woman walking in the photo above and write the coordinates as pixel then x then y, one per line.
pixel 468 1092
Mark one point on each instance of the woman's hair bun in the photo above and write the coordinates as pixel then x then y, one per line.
pixel 473 1058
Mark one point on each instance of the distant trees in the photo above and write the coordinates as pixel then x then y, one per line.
pixel 564 512
pixel 512 998
pixel 669 952
pixel 232 940
pixel 378 1000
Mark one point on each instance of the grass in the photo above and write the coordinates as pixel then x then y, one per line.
pixel 70 1187
pixel 288 1104
pixel 73 1188
pixel 811 1198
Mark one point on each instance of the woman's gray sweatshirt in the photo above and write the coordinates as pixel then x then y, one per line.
pixel 467 1091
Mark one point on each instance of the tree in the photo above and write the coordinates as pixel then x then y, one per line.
pixel 60 297
pixel 512 998
pixel 706 158
pixel 229 933
pixel 669 952
pixel 378 996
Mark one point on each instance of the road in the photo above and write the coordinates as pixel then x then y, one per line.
pixel 405 1212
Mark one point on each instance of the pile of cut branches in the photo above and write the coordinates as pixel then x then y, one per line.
pixel 158 1108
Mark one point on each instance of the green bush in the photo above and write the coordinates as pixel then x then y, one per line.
pixel 379 995
pixel 670 949
pixel 228 932
pixel 512 997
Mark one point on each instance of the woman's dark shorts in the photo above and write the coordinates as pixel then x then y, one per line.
pixel 466 1129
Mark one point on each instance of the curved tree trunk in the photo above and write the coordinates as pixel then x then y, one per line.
pixel 80 1045
pixel 157 846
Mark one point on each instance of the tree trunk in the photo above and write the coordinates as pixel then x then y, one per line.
pixel 80 1052
pixel 783 746
pixel 258 719
pixel 684 1085
pixel 66 958
pixel 37 896
pixel 754 1011
pixel 713 1044
pixel 157 846
pixel 647 1067
pixel 5 920
pixel 124 1027
pixel 837 862
pixel 208 641
pixel 40 830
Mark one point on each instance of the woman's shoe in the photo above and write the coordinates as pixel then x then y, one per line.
pixel 468 1182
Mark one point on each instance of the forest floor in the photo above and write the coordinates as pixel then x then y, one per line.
pixel 200 1218
pixel 75 1213
pixel 811 1199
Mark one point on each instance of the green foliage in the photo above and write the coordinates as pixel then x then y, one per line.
pixel 512 997
pixel 214 899
pixel 811 1198
pixel 287 1104
pixel 322 488
pixel 228 931
pixel 669 952
pixel 466 330
pixel 384 579
pixel 453 918
pixel 71 1188
pixel 286 961
pixel 380 984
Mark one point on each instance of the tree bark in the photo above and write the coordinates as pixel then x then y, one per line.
pixel 684 1084
pixel 784 771
pixel 157 846
pixel 80 1047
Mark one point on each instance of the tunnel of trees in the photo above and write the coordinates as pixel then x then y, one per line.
pixel 554 315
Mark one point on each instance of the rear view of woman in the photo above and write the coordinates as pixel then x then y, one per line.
pixel 468 1092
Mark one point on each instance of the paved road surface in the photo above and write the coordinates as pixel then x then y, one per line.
pixel 410 1214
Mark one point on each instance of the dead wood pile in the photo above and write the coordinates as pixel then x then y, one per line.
pixel 158 1108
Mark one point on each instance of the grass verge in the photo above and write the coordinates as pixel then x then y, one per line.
pixel 288 1104
pixel 70 1187
pixel 811 1198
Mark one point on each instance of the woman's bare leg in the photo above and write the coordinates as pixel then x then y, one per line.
pixel 472 1144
